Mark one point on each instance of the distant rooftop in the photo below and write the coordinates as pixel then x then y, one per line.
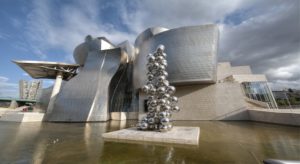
pixel 47 70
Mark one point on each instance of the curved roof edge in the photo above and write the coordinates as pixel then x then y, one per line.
pixel 150 32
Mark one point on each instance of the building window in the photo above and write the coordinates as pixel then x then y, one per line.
pixel 259 91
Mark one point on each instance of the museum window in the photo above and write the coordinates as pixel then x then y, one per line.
pixel 259 91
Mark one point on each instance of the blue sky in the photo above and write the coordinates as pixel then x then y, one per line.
pixel 262 34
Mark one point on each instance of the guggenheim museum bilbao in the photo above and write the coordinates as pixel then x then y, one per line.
pixel 105 83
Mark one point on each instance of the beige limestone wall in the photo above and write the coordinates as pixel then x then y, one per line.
pixel 210 102
pixel 223 70
pixel 236 70
pixel 220 101
pixel 249 78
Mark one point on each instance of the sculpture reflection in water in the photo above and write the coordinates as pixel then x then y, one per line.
pixel 160 103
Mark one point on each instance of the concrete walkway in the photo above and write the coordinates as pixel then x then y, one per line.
pixel 15 115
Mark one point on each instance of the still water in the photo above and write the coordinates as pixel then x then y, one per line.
pixel 220 142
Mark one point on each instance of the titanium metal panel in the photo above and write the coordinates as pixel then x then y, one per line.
pixel 85 97
pixel 81 51
pixel 192 53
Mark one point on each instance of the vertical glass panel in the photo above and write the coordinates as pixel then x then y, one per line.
pixel 259 91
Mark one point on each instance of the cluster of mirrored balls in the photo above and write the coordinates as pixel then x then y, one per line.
pixel 160 101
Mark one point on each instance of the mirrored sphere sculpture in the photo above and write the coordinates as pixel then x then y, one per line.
pixel 160 101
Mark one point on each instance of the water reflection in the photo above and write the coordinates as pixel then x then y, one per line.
pixel 220 142
pixel 17 141
pixel 94 145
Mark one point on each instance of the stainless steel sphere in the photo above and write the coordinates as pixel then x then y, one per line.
pixel 171 90
pixel 151 114
pixel 151 121
pixel 175 109
pixel 161 101
pixel 161 67
pixel 165 83
pixel 149 82
pixel 149 73
pixel 159 59
pixel 153 103
pixel 161 78
pixel 165 121
pixel 155 65
pixel 150 98
pixel 152 91
pixel 164 73
pixel 166 108
pixel 151 85
pixel 173 99
pixel 144 126
pixel 166 96
pixel 146 88
pixel 160 48
pixel 162 114
pixel 145 119
pixel 163 106
pixel 168 102
pixel 151 109
pixel 150 68
pixel 163 128
pixel 161 90
pixel 168 114
pixel 164 55
pixel 164 63
pixel 150 77
pixel 151 59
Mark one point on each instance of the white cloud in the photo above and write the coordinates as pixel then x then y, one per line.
pixel 285 72
pixel 75 21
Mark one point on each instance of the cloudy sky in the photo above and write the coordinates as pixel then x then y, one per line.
pixel 262 34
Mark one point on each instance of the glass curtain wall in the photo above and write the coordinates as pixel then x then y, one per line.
pixel 259 91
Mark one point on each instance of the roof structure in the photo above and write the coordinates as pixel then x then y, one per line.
pixel 48 70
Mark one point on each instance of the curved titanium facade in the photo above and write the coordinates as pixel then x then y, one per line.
pixel 81 51
pixel 192 53
pixel 85 97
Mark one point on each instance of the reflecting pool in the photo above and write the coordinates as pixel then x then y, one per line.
pixel 220 142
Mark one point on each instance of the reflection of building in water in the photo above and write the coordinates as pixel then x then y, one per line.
pixel 106 80
pixel 30 89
